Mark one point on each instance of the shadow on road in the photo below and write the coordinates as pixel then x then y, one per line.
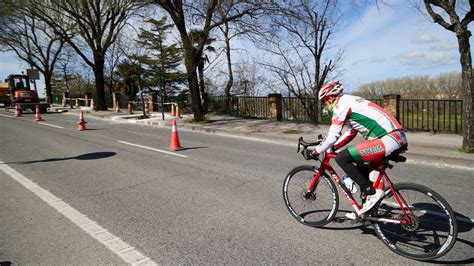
pixel 465 224
pixel 5 263
pixel 193 148
pixel 87 156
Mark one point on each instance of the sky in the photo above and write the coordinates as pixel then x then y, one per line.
pixel 378 42
pixel 395 41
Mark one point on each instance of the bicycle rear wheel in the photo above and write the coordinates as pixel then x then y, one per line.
pixel 314 209
pixel 433 231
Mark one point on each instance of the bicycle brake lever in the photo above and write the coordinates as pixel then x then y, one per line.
pixel 299 144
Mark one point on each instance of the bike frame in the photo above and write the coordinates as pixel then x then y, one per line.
pixel 327 167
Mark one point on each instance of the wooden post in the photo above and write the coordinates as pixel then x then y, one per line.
pixel 115 100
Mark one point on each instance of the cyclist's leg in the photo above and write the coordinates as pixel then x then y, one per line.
pixel 370 151
pixel 373 151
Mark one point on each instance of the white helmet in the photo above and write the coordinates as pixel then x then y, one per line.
pixel 329 89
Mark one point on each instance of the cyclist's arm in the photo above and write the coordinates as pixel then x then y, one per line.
pixel 347 137
pixel 335 129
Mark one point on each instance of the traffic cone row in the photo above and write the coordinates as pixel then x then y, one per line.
pixel 38 114
pixel 175 145
pixel 82 122
pixel 172 110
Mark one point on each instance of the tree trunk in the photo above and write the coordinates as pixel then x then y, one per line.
pixel 99 81
pixel 468 84
pixel 230 81
pixel 193 87
pixel 202 87
pixel 47 83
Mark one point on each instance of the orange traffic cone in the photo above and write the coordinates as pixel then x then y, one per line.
pixel 130 112
pixel 82 122
pixel 174 145
pixel 38 114
pixel 172 110
pixel 17 110
pixel 178 115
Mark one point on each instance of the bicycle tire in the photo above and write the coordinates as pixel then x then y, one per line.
pixel 434 220
pixel 310 211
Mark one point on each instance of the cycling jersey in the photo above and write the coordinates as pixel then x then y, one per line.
pixel 362 116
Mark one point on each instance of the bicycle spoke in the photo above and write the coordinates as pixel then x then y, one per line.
pixel 314 209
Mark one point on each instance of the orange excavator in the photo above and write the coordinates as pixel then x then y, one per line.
pixel 16 90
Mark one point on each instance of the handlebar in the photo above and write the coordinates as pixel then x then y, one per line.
pixel 305 144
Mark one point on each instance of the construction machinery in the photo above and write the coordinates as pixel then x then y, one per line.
pixel 16 90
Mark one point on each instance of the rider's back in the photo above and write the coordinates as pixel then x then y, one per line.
pixel 371 120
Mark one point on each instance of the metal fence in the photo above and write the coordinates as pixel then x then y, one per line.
pixel 431 115
pixel 421 115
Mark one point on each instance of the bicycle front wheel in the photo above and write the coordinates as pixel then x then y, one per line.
pixel 433 230
pixel 316 208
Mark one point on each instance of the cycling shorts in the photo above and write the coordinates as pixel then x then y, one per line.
pixel 376 150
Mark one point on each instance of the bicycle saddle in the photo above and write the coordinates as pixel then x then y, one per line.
pixel 396 157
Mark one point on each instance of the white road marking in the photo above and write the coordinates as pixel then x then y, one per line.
pixel 9 116
pixel 441 165
pixel 153 149
pixel 46 124
pixel 123 250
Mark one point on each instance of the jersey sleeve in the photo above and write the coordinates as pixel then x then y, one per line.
pixel 347 137
pixel 337 123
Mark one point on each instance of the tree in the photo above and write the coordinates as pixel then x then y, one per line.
pixel 415 87
pixel 31 40
pixel 299 36
pixel 193 51
pixel 460 28
pixel 163 58
pixel 129 73
pixel 245 26
pixel 94 24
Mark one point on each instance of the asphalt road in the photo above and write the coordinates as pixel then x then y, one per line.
pixel 220 204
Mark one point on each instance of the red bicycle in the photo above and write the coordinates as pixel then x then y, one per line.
pixel 412 220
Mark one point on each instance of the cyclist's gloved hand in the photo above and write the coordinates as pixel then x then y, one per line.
pixel 309 154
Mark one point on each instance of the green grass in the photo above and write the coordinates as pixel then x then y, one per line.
pixel 202 122
pixel 468 150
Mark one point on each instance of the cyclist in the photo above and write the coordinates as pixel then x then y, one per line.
pixel 383 132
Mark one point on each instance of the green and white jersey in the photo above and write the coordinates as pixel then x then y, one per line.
pixel 362 116
pixel 366 117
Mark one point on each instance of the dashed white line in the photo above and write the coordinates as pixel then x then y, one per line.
pixel 46 124
pixel 153 149
pixel 123 250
